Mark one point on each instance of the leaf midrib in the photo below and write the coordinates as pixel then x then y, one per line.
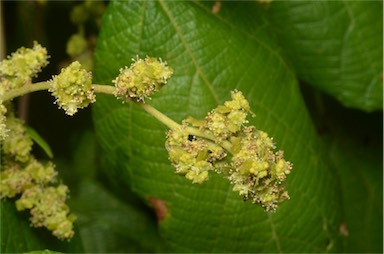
pixel 189 51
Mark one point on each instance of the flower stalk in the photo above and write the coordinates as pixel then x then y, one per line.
pixel 111 90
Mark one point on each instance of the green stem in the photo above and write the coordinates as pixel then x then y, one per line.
pixel 160 116
pixel 40 86
pixel 173 126
pixel 104 89
pixel 25 90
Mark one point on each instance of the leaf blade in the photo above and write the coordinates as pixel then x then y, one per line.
pixel 211 217
pixel 335 47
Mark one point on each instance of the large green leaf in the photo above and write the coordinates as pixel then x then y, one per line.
pixel 212 54
pixel 336 46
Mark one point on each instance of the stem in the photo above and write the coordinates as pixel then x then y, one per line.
pixel 160 116
pixel 40 86
pixel 104 89
pixel 111 90
pixel 25 90
pixel 173 125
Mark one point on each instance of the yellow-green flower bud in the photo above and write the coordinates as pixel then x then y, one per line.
pixel 142 79
pixel 19 68
pixel 191 156
pixel 48 209
pixel 39 173
pixel 199 172
pixel 73 88
pixel 79 14
pixel 17 143
pixel 257 171
pixel 16 178
pixel 226 120
pixel 13 180
pixel 76 45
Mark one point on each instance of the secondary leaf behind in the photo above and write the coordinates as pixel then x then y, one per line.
pixel 336 46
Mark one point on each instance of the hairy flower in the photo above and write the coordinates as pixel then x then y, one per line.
pixel 254 170
pixel 22 175
pixel 73 88
pixel 142 79
pixel 13 180
pixel 19 68
pixel 48 209
pixel 192 157
pixel 17 143
pixel 16 177
pixel 225 120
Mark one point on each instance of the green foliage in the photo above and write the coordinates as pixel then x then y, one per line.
pixel 211 55
pixel 336 46
pixel 282 56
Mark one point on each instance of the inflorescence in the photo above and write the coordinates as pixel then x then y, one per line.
pixel 73 88
pixel 222 142
pixel 243 154
pixel 141 79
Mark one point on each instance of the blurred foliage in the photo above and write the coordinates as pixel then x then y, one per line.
pixel 302 65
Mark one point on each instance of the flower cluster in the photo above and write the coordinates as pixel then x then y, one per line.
pixel 142 79
pixel 73 88
pixel 18 144
pixel 19 68
pixel 21 174
pixel 254 170
pixel 193 157
pixel 48 209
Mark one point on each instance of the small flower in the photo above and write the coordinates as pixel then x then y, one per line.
pixel 48 209
pixel 79 14
pixel 191 156
pixel 39 173
pixel 76 45
pixel 142 79
pixel 16 177
pixel 17 143
pixel 257 172
pixel 227 119
pixel 73 88
pixel 19 68
pixel 13 180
